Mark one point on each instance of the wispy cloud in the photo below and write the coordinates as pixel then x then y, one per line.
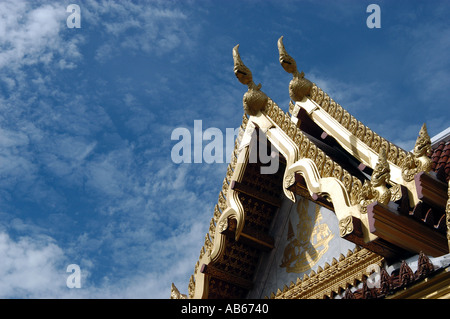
pixel 155 27
pixel 30 268
pixel 30 33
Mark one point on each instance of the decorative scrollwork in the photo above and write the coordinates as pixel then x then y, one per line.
pixel 175 293
pixel 289 180
pixel 346 226
pixel 223 225
pixel 376 189
pixel 396 193
pixel 395 154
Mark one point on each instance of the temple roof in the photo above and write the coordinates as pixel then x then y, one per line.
pixel 389 202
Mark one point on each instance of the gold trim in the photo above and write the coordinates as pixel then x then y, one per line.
pixel 321 173
pixel 214 244
pixel 375 189
pixel 418 161
pixel 396 155
pixel 175 293
pixel 306 149
pixel 332 279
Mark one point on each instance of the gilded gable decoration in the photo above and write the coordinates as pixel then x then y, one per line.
pixel 376 189
pixel 356 138
pixel 299 87
pixel 308 243
pixel 418 161
pixel 254 99
pixel 383 199
pixel 175 293
pixel 346 271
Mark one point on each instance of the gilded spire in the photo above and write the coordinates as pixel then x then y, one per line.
pixel 254 99
pixel 299 87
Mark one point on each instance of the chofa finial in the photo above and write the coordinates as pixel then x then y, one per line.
pixel 286 61
pixel 254 99
pixel 243 73
pixel 299 87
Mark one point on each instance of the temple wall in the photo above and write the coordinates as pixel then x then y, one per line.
pixel 306 236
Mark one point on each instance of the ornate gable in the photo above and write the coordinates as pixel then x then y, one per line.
pixel 385 200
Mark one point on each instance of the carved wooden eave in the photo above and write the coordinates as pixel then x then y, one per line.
pixel 433 287
pixel 405 232
pixel 238 231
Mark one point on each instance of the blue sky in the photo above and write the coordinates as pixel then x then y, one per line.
pixel 86 117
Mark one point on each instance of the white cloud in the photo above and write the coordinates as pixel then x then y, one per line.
pixel 155 27
pixel 31 268
pixel 31 33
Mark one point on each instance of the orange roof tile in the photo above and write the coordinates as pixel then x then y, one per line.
pixel 440 158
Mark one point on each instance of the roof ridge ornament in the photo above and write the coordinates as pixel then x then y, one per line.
pixel 299 87
pixel 376 189
pixel 419 160
pixel 254 99
pixel 423 143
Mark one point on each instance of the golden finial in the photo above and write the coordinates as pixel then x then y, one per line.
pixel 254 99
pixel 381 173
pixel 242 72
pixel 299 87
pixel 175 293
pixel 419 160
pixel 286 61
pixel 376 189
pixel 423 142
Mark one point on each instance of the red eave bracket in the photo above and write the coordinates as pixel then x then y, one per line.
pixel 405 232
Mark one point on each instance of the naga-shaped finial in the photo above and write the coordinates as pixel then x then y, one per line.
pixel 254 99
pixel 299 87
